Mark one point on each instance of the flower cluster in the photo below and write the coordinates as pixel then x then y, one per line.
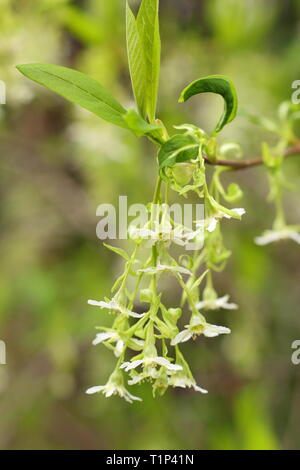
pixel 273 161
pixel 143 342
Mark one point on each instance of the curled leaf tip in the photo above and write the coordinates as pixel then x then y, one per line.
pixel 219 85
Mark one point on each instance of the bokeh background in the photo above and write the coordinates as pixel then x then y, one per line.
pixel 58 163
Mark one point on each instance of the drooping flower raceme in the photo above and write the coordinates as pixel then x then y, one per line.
pixel 158 325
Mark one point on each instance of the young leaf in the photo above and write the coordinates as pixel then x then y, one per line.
pixel 118 251
pixel 148 26
pixel 180 148
pixel 138 125
pixel 136 59
pixel 199 280
pixel 78 88
pixel 219 85
pixel 261 121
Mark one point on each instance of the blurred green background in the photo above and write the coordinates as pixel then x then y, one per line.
pixel 58 163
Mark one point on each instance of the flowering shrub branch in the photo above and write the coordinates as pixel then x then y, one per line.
pixel 146 334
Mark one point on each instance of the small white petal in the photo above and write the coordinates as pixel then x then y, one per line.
pixel 212 225
pixel 100 337
pixel 110 392
pixel 199 389
pixel 112 305
pixel 98 304
pixel 119 348
pixel 201 305
pixel 164 362
pixel 267 238
pixel 135 315
pixel 174 367
pixel 239 211
pixel 221 302
pixel 182 337
pixel 131 365
pixel 178 241
pixel 210 331
pixel 95 389
pixel 135 380
pixel 130 398
pixel 270 236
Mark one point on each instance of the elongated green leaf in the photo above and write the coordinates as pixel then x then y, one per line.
pixel 78 88
pixel 180 148
pixel 118 251
pixel 199 280
pixel 215 84
pixel 138 125
pixel 137 62
pixel 148 26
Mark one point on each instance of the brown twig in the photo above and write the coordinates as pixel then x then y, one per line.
pixel 243 164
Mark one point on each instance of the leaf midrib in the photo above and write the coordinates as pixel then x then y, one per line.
pixel 83 90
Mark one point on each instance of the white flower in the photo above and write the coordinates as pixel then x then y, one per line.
pixel 113 305
pixel 137 378
pixel 165 232
pixel 211 223
pixel 198 233
pixel 114 386
pixel 182 381
pixel 104 336
pixel 150 361
pixel 270 236
pixel 198 327
pixel 112 336
pixel 162 267
pixel 113 389
pixel 216 304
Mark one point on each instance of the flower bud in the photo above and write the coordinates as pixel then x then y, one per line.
pixel 146 295
pixel 172 315
pixel 183 172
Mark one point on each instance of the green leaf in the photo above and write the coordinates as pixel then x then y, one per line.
pixel 270 159
pixel 260 121
pixel 137 62
pixel 78 88
pixel 215 84
pixel 119 251
pixel 180 148
pixel 199 280
pixel 148 26
pixel 83 26
pixel 138 125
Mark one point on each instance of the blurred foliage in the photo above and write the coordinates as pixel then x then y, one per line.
pixel 58 163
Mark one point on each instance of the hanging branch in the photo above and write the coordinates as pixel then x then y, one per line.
pixel 241 165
